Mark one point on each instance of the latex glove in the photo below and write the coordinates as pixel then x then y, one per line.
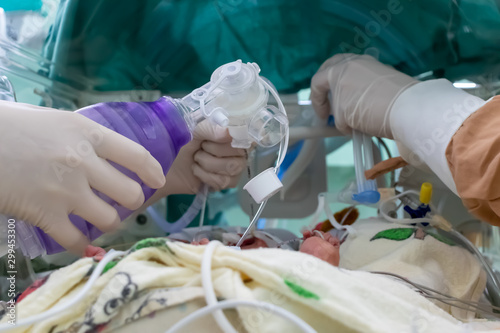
pixel 208 158
pixel 51 160
pixel 362 93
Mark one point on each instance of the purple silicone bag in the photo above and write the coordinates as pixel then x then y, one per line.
pixel 158 126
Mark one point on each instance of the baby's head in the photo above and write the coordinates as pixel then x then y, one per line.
pixel 322 245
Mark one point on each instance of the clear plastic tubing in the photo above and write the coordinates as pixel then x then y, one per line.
pixel 158 126
pixel 363 160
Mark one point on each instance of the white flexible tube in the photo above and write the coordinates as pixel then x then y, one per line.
pixel 489 270
pixel 319 234
pixel 204 192
pixel 232 304
pixel 347 215
pixel 357 144
pixel 281 156
pixel 208 288
pixel 67 305
pixel 160 222
pixel 252 223
pixel 349 229
pixel 193 210
pixel 323 206
pixel 284 142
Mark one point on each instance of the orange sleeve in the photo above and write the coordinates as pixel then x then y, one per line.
pixel 473 156
pixel 384 167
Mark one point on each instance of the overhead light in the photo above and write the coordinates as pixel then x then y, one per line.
pixel 464 85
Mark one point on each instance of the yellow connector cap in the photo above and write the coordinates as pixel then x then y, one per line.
pixel 426 193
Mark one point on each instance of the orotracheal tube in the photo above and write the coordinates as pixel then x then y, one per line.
pixel 237 98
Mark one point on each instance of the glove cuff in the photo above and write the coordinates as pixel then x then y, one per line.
pixel 425 117
pixel 380 95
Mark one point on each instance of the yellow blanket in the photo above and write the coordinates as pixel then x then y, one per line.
pixel 160 277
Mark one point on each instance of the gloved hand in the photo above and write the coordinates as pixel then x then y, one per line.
pixel 362 93
pixel 51 160
pixel 208 158
pixel 437 125
pixel 378 100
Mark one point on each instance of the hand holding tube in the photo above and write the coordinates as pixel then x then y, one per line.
pixel 439 127
pixel 362 93
pixel 208 158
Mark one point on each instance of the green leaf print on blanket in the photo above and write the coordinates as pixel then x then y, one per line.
pixel 152 242
pixel 400 234
pixel 397 234
pixel 300 290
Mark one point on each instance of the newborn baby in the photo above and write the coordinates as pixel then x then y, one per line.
pixel 320 244
pixel 317 243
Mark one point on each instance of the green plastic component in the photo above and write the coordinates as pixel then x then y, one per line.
pixel 398 234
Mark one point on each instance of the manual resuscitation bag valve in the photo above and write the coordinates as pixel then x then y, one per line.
pixel 237 98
